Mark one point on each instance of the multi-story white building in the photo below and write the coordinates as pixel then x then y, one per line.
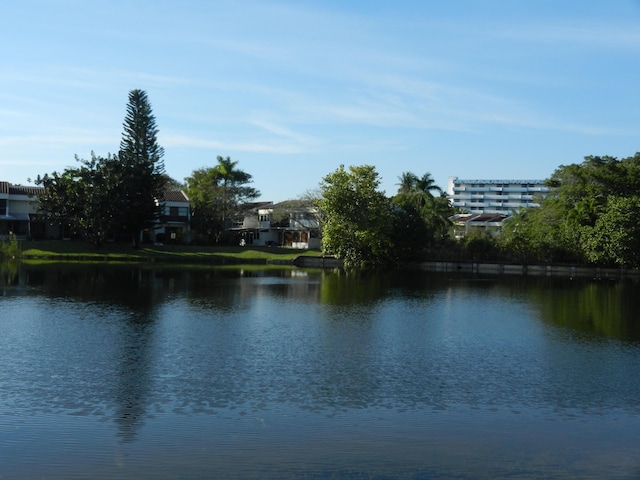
pixel 495 196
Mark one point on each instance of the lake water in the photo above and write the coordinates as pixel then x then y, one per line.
pixel 182 372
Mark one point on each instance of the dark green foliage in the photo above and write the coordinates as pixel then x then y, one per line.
pixel 120 193
pixel 142 176
pixel 409 233
pixel 366 229
pixel 592 214
pixel 430 214
pixel 480 246
pixel 615 237
pixel 83 197
pixel 218 196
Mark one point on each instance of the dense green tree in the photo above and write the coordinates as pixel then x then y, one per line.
pixel 219 196
pixel 541 235
pixel 113 194
pixel 410 232
pixel 615 237
pixel 581 190
pixel 416 200
pixel 480 246
pixel 141 167
pixel 417 189
pixel 582 218
pixel 436 212
pixel 357 217
pixel 82 197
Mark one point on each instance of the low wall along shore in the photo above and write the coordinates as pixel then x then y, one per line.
pixel 547 270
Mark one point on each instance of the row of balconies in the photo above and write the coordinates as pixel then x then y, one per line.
pixel 512 188
pixel 472 205
pixel 491 196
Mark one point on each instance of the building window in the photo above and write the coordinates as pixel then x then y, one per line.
pixel 178 211
pixel 3 206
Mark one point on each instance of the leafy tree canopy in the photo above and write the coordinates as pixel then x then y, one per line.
pixel 358 219
pixel 219 196
pixel 589 215
pixel 113 194
pixel 416 199
pixel 82 197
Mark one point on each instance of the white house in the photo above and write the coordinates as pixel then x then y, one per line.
pixel 286 224
pixel 19 212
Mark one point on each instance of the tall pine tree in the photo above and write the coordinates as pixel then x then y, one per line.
pixel 142 167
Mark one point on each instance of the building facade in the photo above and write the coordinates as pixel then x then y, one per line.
pixel 173 223
pixel 495 196
pixel 287 224
pixel 19 213
pixel 20 216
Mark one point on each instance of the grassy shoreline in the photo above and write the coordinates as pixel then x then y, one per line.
pixel 71 250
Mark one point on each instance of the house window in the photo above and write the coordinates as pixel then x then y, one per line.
pixel 3 206
pixel 178 211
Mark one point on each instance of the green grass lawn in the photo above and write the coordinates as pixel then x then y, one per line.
pixel 79 250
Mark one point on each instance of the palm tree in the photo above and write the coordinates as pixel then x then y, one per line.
pixel 408 181
pixel 435 210
pixel 426 184
pixel 436 214
pixel 418 189
pixel 226 173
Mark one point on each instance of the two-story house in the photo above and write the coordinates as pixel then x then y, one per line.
pixel 173 224
pixel 292 224
pixel 20 215
pixel 19 212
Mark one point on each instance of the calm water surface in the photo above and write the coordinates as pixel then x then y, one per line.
pixel 167 372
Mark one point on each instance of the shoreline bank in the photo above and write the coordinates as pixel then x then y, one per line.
pixel 570 271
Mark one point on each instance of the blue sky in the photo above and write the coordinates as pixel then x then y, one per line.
pixel 293 89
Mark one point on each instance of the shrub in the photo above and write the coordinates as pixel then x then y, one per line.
pixel 10 248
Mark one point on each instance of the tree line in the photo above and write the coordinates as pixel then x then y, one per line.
pixel 365 228
pixel 591 215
